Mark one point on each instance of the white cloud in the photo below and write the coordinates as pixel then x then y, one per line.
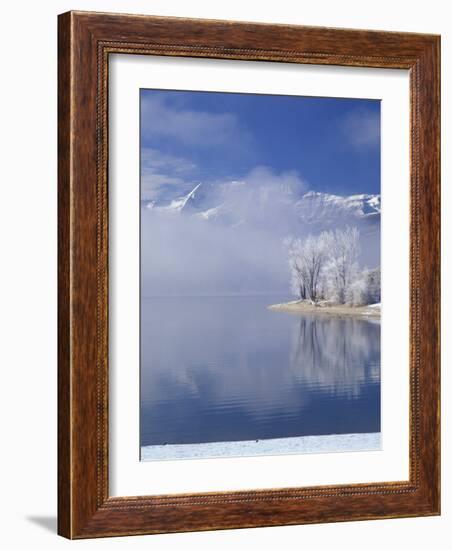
pixel 362 128
pixel 264 176
pixel 156 160
pixel 191 127
pixel 262 195
pixel 160 169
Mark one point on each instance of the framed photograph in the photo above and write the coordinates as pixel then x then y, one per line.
pixel 248 275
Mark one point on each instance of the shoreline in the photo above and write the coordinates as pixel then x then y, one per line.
pixel 301 306
pixel 307 444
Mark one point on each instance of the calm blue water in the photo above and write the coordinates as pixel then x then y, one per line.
pixel 229 369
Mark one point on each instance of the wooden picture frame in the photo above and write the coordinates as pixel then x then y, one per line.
pixel 85 42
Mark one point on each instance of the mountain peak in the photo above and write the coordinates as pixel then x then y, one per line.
pixel 177 205
pixel 316 207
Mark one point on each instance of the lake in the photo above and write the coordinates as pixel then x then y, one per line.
pixel 220 369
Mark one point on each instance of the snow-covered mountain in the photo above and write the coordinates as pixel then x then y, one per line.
pixel 315 207
pixel 179 204
pixel 236 203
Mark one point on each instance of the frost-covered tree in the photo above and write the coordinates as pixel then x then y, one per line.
pixel 342 268
pixel 357 293
pixel 297 276
pixel 365 288
pixel 373 285
pixel 314 255
pixel 306 261
pixel 326 267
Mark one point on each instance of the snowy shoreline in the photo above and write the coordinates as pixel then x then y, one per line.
pixel 288 445
pixel 302 306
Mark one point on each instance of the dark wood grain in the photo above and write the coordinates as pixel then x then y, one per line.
pixel 64 295
pixel 85 42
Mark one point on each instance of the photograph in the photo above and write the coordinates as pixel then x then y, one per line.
pixel 248 274
pixel 260 289
pixel 224 237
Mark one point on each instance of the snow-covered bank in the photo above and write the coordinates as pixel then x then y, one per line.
pixel 303 306
pixel 288 445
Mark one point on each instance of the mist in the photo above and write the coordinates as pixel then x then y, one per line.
pixel 187 256
pixel 228 239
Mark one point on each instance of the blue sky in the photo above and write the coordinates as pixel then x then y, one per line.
pixel 331 145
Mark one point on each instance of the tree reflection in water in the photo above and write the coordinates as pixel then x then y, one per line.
pixel 336 354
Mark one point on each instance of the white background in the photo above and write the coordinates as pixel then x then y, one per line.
pixel 128 476
pixel 28 271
